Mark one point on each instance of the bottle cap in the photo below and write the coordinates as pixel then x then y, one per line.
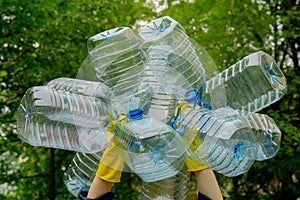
pixel 192 96
pixel 135 114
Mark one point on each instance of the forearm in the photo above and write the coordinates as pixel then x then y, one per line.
pixel 99 187
pixel 207 184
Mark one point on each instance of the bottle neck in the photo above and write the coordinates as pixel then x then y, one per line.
pixel 135 114
pixel 192 96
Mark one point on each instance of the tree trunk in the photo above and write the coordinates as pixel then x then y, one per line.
pixel 51 175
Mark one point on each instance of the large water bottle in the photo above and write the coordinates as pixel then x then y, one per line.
pixel 155 150
pixel 79 102
pixel 251 84
pixel 138 98
pixel 173 188
pixel 117 59
pixel 267 133
pixel 162 104
pixel 225 143
pixel 81 171
pixel 171 56
pixel 61 119
pixel 82 87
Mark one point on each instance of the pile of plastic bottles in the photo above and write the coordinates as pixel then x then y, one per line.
pixel 156 97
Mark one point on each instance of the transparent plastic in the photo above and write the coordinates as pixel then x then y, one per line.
pixel 138 98
pixel 81 172
pixel 117 60
pixel 155 150
pixel 171 56
pixel 226 144
pixel 162 104
pixel 61 119
pixel 173 188
pixel 267 133
pixel 82 87
pixel 251 84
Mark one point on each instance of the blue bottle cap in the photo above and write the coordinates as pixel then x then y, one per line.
pixel 135 114
pixel 192 96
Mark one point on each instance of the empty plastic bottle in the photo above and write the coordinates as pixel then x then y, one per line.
pixel 82 87
pixel 80 102
pixel 60 119
pixel 251 84
pixel 267 133
pixel 162 103
pixel 155 150
pixel 81 171
pixel 171 56
pixel 137 98
pixel 173 188
pixel 225 143
pixel 117 59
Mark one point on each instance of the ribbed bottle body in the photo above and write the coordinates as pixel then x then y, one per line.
pixel 162 103
pixel 55 118
pixel 81 171
pixel 171 56
pixel 267 133
pixel 117 59
pixel 155 150
pixel 231 157
pixel 251 84
pixel 82 87
pixel 173 188
pixel 219 139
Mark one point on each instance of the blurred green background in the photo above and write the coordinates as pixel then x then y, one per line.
pixel 46 39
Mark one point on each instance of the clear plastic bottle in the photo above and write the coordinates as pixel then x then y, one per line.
pixel 225 143
pixel 162 104
pixel 173 188
pixel 267 133
pixel 117 59
pixel 138 98
pixel 251 84
pixel 60 119
pixel 155 150
pixel 171 56
pixel 81 171
pixel 82 87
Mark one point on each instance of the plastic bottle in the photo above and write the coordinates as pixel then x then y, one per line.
pixel 267 133
pixel 82 87
pixel 173 188
pixel 162 104
pixel 60 119
pixel 117 59
pixel 225 143
pixel 251 84
pixel 171 56
pixel 155 150
pixel 138 98
pixel 81 171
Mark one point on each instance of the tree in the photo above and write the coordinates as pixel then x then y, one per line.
pixel 43 40
pixel 229 30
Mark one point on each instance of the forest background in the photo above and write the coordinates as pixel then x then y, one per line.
pixel 41 40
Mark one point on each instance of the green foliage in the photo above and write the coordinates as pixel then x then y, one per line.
pixel 229 30
pixel 131 181
pixel 42 40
